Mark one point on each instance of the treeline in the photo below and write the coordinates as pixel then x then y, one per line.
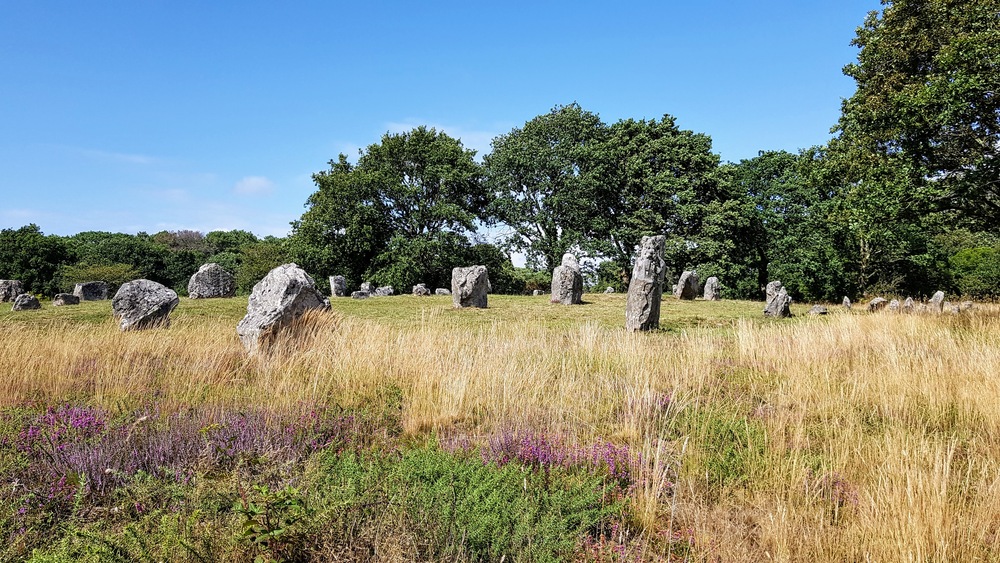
pixel 904 199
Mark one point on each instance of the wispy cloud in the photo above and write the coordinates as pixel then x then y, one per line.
pixel 119 156
pixel 253 185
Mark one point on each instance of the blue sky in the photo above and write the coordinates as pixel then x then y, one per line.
pixel 152 115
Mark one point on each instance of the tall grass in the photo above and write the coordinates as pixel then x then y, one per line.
pixel 848 437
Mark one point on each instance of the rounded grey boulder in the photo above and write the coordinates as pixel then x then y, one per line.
pixel 712 290
pixel 65 299
pixel 211 281
pixel 421 290
pixel 284 294
pixel 469 287
pixel 25 302
pixel 91 291
pixel 142 304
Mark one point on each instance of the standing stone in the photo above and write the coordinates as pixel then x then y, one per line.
pixel 908 305
pixel 421 290
pixel 937 302
pixel 469 287
pixel 65 299
pixel 338 286
pixel 9 290
pixel 366 287
pixel 211 281
pixel 284 294
pixel 687 286
pixel 91 291
pixel 609 289
pixel 642 305
pixel 712 291
pixel 384 291
pixel 25 301
pixel 442 291
pixel 847 303
pixel 567 282
pixel 772 290
pixel 142 304
pixel 780 306
pixel 877 304
pixel 894 306
pixel 818 310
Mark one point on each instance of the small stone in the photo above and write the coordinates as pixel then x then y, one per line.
pixel 908 305
pixel 384 291
pixel 780 306
pixel 65 299
pixel 366 287
pixel 142 304
pixel 894 306
pixel 847 303
pixel 91 291
pixel 211 281
pixel 877 304
pixel 469 287
pixel 818 310
pixel 937 302
pixel 536 293
pixel 284 295
pixel 9 290
pixel 360 294
pixel 609 289
pixel 645 291
pixel 687 286
pixel 420 290
pixel 712 289
pixel 442 291
pixel 25 302
pixel 338 286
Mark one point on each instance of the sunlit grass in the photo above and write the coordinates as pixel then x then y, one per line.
pixel 845 437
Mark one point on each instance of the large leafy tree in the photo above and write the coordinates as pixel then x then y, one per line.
pixel 655 178
pixel 28 255
pixel 545 177
pixel 408 197
pixel 926 106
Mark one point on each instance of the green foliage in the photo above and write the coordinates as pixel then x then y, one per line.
pixel 259 258
pixel 33 258
pixel 402 207
pixel 114 274
pixel 926 104
pixel 229 241
pixel 544 178
pixel 732 447
pixel 271 521
pixel 977 271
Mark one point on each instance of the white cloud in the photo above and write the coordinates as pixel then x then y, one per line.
pixel 253 185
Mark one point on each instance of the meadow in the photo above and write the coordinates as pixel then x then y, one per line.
pixel 400 429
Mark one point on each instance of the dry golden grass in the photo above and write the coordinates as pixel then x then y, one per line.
pixel 851 437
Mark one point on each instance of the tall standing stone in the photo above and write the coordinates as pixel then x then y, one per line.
pixel 937 302
pixel 338 286
pixel 712 291
pixel 779 304
pixel 847 303
pixel 91 291
pixel 772 290
pixel 687 286
pixel 908 305
pixel 567 282
pixel 284 295
pixel 642 305
pixel 25 301
pixel 211 281
pixel 469 287
pixel 142 304
pixel 9 290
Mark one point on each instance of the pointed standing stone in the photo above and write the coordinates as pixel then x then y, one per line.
pixel 712 291
pixel 908 305
pixel 642 306
pixel 284 295
pixel 779 303
pixel 567 282
pixel 211 281
pixel 687 286
pixel 937 302
pixel 847 303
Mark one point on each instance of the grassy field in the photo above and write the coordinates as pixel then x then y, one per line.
pixel 401 429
